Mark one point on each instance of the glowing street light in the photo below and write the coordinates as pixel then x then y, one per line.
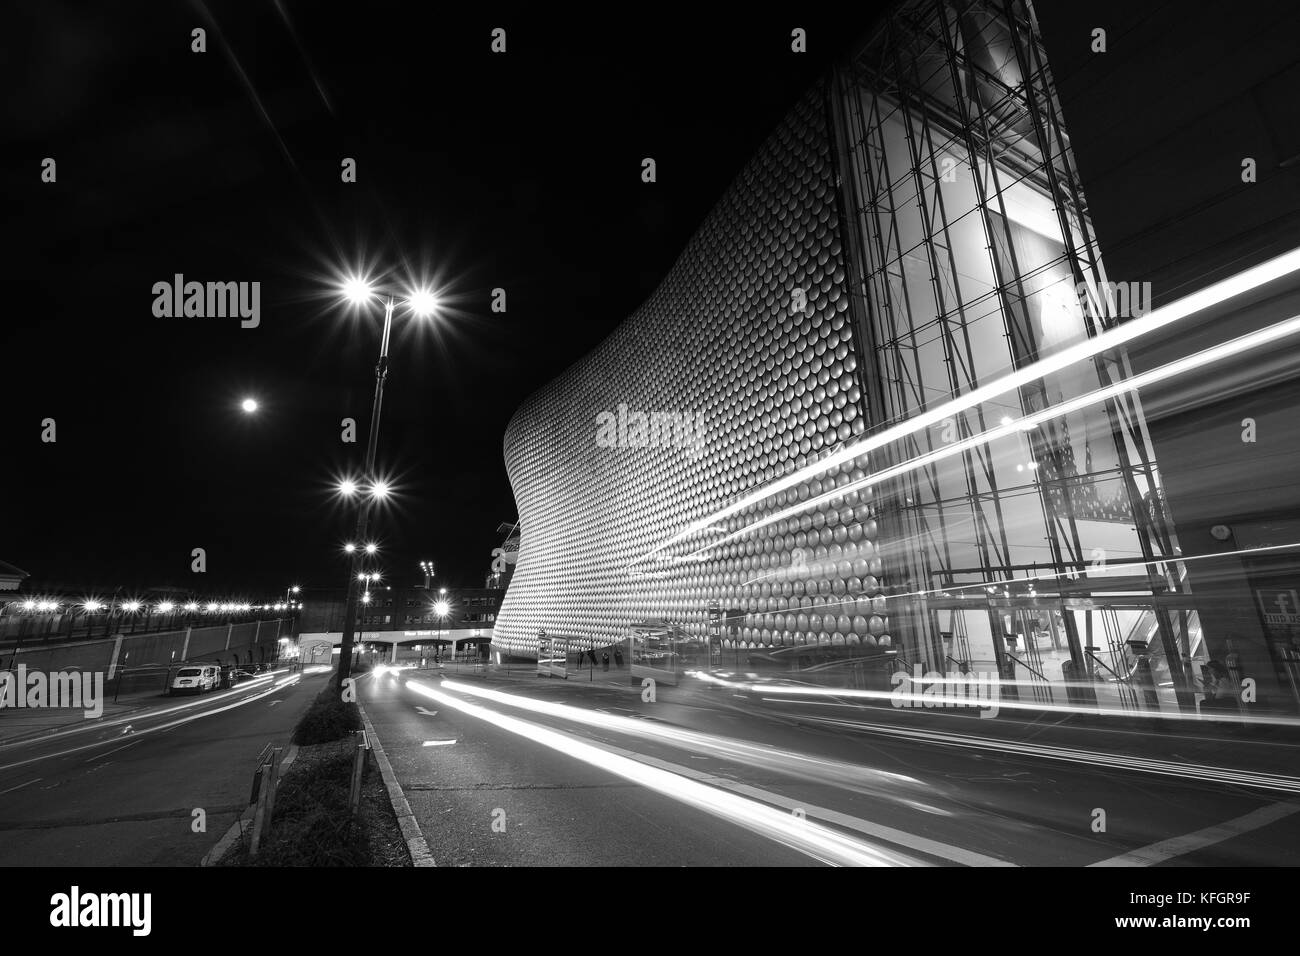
pixel 423 302
pixel 165 607
pixel 347 488
pixel 357 290
pixel 349 547
pixel 249 405
pixel 371 548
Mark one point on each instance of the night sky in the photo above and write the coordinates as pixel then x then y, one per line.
pixel 475 171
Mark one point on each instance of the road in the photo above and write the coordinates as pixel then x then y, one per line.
pixel 124 792
pixel 522 770
pixel 511 770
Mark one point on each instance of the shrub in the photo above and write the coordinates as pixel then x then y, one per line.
pixel 313 826
pixel 327 719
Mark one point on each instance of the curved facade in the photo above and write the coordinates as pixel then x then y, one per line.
pixel 841 419
pixel 745 366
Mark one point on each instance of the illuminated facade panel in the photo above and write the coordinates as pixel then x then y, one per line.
pixel 915 230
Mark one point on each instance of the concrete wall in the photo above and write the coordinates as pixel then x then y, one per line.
pixel 239 643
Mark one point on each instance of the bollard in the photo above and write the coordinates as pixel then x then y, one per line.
pixel 259 815
pixel 358 768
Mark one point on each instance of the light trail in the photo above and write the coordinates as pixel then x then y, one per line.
pixel 1100 573
pixel 1173 369
pixel 883 784
pixel 1114 338
pixel 915 701
pixel 1090 758
pixel 805 836
pixel 148 730
pixel 129 718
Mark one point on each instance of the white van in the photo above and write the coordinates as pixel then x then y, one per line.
pixel 197 678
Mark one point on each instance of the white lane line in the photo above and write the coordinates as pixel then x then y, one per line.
pixel 438 743
pixel 111 752
pixel 21 785
pixel 746 807
pixel 137 715
pixel 139 733
pixel 1200 839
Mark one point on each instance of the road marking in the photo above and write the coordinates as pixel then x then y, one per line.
pixel 274 702
pixel 742 805
pixel 100 723
pixel 21 785
pixel 138 733
pixel 1200 839
pixel 438 743
pixel 426 713
pixel 119 749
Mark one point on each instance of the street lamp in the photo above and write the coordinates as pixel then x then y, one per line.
pixel 422 302
pixel 440 610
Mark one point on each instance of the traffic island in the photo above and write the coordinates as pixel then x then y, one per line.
pixel 330 808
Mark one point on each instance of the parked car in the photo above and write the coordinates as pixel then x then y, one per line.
pixel 196 678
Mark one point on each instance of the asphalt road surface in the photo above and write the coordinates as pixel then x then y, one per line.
pixel 518 770
pixel 123 793
pixel 598 776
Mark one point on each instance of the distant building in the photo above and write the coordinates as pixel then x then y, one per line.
pixel 400 607
pixel 11 578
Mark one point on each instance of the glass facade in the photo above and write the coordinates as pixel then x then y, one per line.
pixel 1030 541
pixel 888 466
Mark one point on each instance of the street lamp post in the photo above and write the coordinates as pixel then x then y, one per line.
pixel 422 302
pixel 363 507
